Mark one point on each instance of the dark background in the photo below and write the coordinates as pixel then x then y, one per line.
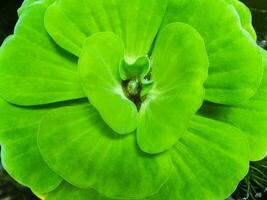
pixel 9 189
pixel 259 11
pixel 8 16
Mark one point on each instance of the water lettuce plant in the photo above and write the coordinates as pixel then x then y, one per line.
pixel 136 99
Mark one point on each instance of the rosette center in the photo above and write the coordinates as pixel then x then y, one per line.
pixel 135 77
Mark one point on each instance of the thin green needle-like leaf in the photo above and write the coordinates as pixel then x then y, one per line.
pixel 136 22
pixel 80 147
pixel 235 62
pixel 19 152
pixel 179 69
pixel 99 72
pixel 40 72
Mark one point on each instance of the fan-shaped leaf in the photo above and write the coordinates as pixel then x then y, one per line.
pixel 245 17
pixel 200 158
pixel 40 72
pixel 19 152
pixel 250 117
pixel 135 21
pixel 76 143
pixel 235 62
pixel 99 72
pixel 179 69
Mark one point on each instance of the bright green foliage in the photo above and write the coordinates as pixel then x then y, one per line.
pixel 82 141
pixel 19 149
pixel 161 116
pixel 249 116
pixel 138 69
pixel 136 22
pixel 132 99
pixel 98 67
pixel 234 57
pixel 245 17
pixel 46 75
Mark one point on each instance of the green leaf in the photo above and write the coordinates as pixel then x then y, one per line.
pixel 136 70
pixel 78 145
pixel 136 22
pixel 25 5
pixel 28 3
pixel 70 192
pixel 19 152
pixel 205 168
pixel 210 160
pixel 99 72
pixel 249 116
pixel 235 62
pixel 33 69
pixel 245 17
pixel 178 89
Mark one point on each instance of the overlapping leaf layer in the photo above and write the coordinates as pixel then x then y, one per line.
pixel 132 99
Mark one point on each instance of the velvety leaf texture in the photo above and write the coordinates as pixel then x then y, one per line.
pixel 84 142
pixel 132 99
pixel 46 75
pixel 20 154
pixel 250 117
pixel 99 73
pixel 235 68
pixel 245 17
pixel 171 118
